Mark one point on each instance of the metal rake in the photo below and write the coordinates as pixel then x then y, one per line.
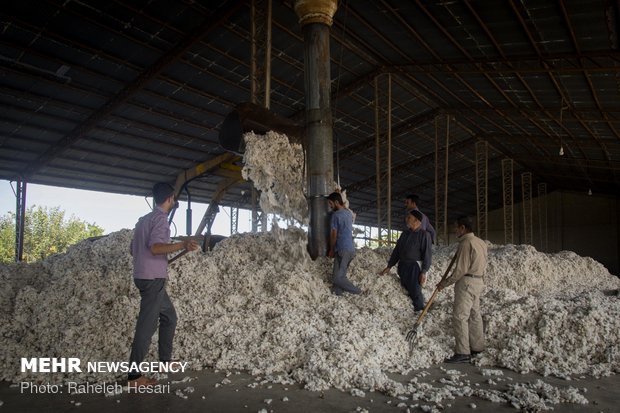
pixel 413 333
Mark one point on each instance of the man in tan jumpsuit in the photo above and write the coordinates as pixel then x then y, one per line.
pixel 467 277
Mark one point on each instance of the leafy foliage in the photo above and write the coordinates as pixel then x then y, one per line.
pixel 46 232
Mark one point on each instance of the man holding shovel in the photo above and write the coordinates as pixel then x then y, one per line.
pixel 467 277
pixel 413 254
pixel 149 247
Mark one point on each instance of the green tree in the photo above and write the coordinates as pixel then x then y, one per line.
pixel 46 232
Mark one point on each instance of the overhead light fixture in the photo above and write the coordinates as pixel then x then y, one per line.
pixel 62 70
pixel 589 191
pixel 561 150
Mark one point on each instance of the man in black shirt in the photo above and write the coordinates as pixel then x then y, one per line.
pixel 413 254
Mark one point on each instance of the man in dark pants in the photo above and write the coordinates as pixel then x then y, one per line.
pixel 413 254
pixel 149 247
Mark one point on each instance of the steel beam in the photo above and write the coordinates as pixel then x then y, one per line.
pixel 526 192
pixel 508 198
pixel 234 220
pixel 378 160
pixel 442 152
pixel 20 218
pixel 542 217
pixel 482 182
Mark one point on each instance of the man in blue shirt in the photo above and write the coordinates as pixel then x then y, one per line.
pixel 341 246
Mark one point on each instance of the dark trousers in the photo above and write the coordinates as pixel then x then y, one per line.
pixel 409 273
pixel 155 308
pixel 339 277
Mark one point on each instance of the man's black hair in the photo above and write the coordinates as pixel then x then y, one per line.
pixel 417 214
pixel 414 198
pixel 335 197
pixel 161 192
pixel 466 222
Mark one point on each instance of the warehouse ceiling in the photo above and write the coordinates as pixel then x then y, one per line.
pixel 113 96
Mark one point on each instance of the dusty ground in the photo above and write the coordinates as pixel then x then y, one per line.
pixel 603 395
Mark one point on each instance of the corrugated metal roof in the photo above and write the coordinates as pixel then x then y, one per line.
pixel 113 96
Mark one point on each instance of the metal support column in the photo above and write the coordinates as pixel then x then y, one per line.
pixel 383 155
pixel 315 17
pixel 378 160
pixel 260 52
pixel 508 190
pixel 234 220
pixel 20 218
pixel 260 79
pixel 255 218
pixel 267 97
pixel 441 181
pixel 264 217
pixel 542 217
pixel 526 191
pixel 188 212
pixel 482 182
pixel 389 158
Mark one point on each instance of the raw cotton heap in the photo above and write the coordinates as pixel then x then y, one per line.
pixel 258 303
pixel 276 168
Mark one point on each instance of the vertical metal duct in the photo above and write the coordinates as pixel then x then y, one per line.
pixel 315 17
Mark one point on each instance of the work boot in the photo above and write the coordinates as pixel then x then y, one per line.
pixel 458 358
pixel 141 381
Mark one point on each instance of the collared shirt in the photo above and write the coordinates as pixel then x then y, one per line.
pixel 413 246
pixel 151 229
pixel 426 224
pixel 471 258
pixel 342 222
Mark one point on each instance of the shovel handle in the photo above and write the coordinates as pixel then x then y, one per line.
pixel 176 257
pixel 428 304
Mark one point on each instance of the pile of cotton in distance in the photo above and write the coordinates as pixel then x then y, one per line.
pixel 258 303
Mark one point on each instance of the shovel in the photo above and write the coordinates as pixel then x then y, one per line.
pixel 176 257
pixel 182 253
pixel 413 333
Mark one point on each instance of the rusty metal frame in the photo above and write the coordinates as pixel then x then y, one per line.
pixel 542 217
pixel 508 199
pixel 526 203
pixel 442 152
pixel 482 183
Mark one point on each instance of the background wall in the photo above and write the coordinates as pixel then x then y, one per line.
pixel 586 224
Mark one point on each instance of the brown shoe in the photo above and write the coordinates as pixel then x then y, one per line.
pixel 141 381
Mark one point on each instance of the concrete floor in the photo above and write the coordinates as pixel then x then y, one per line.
pixel 603 395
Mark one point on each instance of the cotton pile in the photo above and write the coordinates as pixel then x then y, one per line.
pixel 258 303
